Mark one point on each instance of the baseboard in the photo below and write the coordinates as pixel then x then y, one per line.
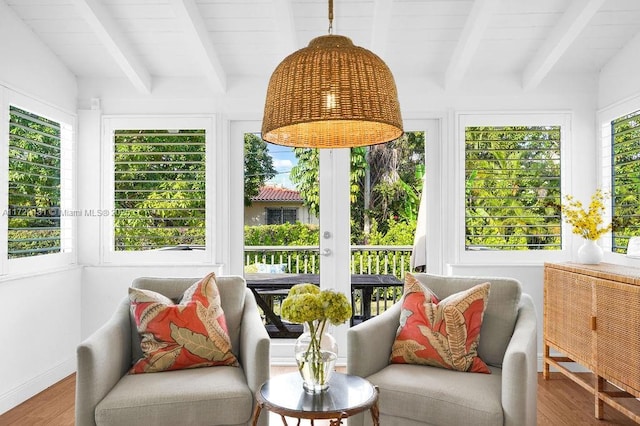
pixel 17 396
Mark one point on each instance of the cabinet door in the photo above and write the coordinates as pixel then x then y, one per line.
pixel 567 314
pixel 618 334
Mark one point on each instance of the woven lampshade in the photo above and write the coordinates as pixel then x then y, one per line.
pixel 331 94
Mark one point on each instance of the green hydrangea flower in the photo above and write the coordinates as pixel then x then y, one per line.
pixel 304 288
pixel 337 308
pixel 306 303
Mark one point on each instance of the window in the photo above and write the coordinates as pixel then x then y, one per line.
pixel 278 216
pixel 625 184
pixel 35 185
pixel 159 189
pixel 512 187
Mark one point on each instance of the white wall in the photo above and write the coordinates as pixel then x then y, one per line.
pixel 40 315
pixel 255 214
pixel 40 319
pixel 29 67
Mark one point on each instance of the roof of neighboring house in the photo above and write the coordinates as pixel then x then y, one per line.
pixel 272 193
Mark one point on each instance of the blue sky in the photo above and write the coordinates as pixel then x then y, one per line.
pixel 283 160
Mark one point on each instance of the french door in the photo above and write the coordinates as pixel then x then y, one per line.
pixel 334 215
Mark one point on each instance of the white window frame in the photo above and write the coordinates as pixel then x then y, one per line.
pixel 68 222
pixel 604 118
pixel 470 119
pixel 154 257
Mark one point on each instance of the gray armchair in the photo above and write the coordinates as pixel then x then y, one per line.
pixel 422 395
pixel 107 395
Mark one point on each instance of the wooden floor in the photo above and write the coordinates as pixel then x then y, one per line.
pixel 560 402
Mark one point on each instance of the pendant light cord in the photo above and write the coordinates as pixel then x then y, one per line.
pixel 330 17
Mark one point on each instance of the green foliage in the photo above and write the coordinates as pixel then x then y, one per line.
pixel 34 185
pixel 626 180
pixel 258 166
pixel 399 233
pixel 287 234
pixel 394 171
pixel 159 176
pixel 512 190
pixel 397 170
pixel 305 175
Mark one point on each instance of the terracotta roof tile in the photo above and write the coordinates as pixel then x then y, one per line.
pixel 272 193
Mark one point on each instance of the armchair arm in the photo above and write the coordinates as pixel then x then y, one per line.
pixel 103 358
pixel 255 345
pixel 369 343
pixel 519 369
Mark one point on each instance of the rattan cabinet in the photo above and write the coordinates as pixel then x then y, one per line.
pixel 592 317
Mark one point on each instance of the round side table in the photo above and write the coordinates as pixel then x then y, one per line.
pixel 347 395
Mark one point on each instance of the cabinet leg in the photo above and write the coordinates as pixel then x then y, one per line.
pixel 599 404
pixel 545 364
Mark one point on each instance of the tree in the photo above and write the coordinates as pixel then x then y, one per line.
pixel 306 176
pixel 34 185
pixel 159 176
pixel 512 187
pixel 385 182
pixel 258 166
pixel 626 180
pixel 396 173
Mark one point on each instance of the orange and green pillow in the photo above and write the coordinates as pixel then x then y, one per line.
pixel 441 333
pixel 190 334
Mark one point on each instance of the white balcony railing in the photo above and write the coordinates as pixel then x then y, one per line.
pixel 377 276
pixel 393 260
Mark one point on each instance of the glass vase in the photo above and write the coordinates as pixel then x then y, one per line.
pixel 590 252
pixel 316 352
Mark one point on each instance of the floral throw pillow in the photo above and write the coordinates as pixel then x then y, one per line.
pixel 190 334
pixel 441 333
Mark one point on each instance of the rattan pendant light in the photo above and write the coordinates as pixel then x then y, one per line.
pixel 331 94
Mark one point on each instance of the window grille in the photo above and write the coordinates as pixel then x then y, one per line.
pixel 159 189
pixel 512 188
pixel 625 167
pixel 34 185
pixel 279 216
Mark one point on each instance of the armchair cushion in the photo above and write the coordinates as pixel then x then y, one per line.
pixel 442 333
pixel 421 394
pixel 212 396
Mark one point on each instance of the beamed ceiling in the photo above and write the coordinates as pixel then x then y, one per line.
pixel 447 41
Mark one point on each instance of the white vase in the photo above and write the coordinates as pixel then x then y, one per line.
pixel 590 252
pixel 316 355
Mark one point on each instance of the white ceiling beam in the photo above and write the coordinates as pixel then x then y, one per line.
pixel 381 26
pixel 568 28
pixel 467 46
pixel 283 13
pixel 193 24
pixel 118 46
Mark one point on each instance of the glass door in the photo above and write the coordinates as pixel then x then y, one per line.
pixel 288 235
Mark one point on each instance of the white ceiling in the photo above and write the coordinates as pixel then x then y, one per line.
pixel 222 39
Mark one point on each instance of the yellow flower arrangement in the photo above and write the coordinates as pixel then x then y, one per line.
pixel 307 304
pixel 586 223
